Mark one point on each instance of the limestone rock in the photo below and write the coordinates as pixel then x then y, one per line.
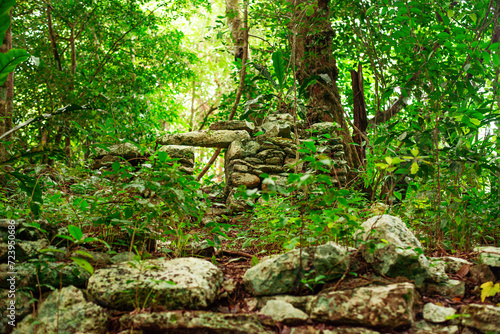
pixel 217 139
pixel 423 327
pixel 173 284
pixel 451 288
pixel 396 250
pixel 24 250
pixel 65 311
pixel 122 257
pixel 324 127
pixel 21 308
pixel 52 274
pixel 337 330
pixel 452 264
pixel 435 313
pixel 124 150
pixel 278 275
pixel 178 152
pixel 192 322
pixel 233 125
pixel 481 273
pixel 282 311
pixel 300 302
pixel 489 255
pixel 245 179
pixel 277 129
pixel 485 318
pixel 389 306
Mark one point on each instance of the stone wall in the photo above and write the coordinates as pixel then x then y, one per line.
pixel 267 149
pixel 270 148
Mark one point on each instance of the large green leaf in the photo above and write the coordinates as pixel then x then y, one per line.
pixel 9 61
pixel 5 7
pixel 279 68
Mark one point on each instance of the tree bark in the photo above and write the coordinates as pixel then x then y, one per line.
pixel 314 53
pixel 360 116
pixel 6 97
pixel 235 24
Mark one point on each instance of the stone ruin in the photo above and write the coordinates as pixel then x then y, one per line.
pixel 250 152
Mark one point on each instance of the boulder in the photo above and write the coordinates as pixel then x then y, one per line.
pixel 282 311
pixel 282 274
pixel 65 311
pixel 394 250
pixel 217 138
pixel 481 273
pixel 180 283
pixel 389 306
pixel 233 125
pixel 192 322
pixel 485 318
pixel 489 255
pixel 437 314
pixel 241 149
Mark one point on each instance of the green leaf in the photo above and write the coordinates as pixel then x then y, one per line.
pixel 415 152
pixel 414 168
pixel 5 7
pixel 370 10
pixel 9 61
pixel 279 67
pixel 475 121
pixel 473 17
pixel 75 232
pixel 84 264
pixel 310 146
pixel 389 160
pixel 32 189
pixel 254 261
pixel 495 59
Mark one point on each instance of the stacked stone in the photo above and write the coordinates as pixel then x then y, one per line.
pixel 184 156
pixel 124 153
pixel 330 145
pixel 247 160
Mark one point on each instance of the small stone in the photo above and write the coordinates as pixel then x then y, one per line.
pixel 423 327
pixel 178 151
pixel 437 314
pixel 485 318
pixel 245 179
pixel 481 273
pixel 451 288
pixel 452 264
pixel 281 311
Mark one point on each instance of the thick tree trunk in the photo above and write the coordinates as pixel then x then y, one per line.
pixel 314 53
pixel 6 97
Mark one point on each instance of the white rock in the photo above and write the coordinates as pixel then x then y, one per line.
pixel 437 314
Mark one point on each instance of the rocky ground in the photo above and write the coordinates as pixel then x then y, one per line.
pixel 383 285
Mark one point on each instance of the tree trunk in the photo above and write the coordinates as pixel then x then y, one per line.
pixel 360 116
pixel 6 97
pixel 314 54
pixel 235 24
